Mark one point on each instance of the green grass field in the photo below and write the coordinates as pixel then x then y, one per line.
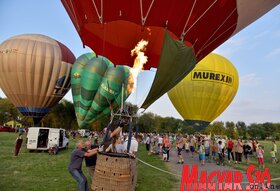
pixel 41 171
pixel 274 169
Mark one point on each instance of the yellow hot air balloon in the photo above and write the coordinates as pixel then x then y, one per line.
pixel 206 91
pixel 34 72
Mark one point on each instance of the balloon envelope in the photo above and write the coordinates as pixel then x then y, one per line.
pixel 34 72
pixel 180 33
pixel 113 27
pixel 97 87
pixel 206 91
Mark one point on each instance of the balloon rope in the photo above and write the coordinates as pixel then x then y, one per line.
pixel 159 169
pixel 103 39
pixel 130 135
pixel 182 36
pixel 108 129
pixel 220 35
pixel 209 8
pixel 217 29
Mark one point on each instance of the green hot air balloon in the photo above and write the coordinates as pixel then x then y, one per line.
pixel 97 87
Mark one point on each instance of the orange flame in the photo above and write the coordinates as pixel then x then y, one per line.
pixel 139 62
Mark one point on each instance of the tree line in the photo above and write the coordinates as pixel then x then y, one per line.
pixel 62 115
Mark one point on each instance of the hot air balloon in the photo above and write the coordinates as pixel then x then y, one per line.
pixel 97 87
pixel 180 33
pixel 34 73
pixel 206 91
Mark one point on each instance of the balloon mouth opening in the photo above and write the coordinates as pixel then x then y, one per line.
pixel 33 112
pixel 197 124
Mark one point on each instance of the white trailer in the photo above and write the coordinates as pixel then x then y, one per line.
pixel 42 138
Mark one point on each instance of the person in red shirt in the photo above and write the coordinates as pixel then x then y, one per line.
pixel 230 145
pixel 214 150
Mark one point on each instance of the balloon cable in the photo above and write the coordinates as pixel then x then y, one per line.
pixel 159 169
pixel 108 129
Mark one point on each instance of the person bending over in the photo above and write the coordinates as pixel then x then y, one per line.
pixel 75 165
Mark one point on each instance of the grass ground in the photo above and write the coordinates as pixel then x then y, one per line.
pixel 274 169
pixel 44 172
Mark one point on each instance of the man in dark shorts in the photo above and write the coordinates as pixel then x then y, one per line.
pixel 75 165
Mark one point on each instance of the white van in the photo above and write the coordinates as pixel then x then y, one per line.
pixel 42 138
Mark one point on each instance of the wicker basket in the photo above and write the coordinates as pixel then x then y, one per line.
pixel 114 172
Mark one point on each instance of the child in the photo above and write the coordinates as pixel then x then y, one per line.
pixel 115 146
pixel 207 148
pixel 214 149
pixel 260 153
pixel 164 152
pixel 202 153
pixel 273 156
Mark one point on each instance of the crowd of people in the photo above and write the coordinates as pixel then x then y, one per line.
pixel 209 148
pixel 217 149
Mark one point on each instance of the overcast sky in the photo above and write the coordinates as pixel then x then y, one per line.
pixel 255 52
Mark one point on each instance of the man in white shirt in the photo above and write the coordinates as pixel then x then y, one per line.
pixel 133 146
pixel 160 144
pixel 223 142
pixel 148 140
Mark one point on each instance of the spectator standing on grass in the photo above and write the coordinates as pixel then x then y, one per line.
pixel 167 146
pixel 247 151
pixel 214 150
pixel 180 145
pixel 152 143
pixel 148 142
pixel 192 145
pixel 223 144
pixel 220 153
pixel 207 141
pixel 260 153
pixel 18 144
pixel 186 143
pixel 199 139
pixel 133 145
pixel 160 140
pixel 239 151
pixel 250 143
pixel 273 156
pixel 165 152
pixel 75 165
pixel 156 144
pixel 202 153
pixel 230 145
pixel 254 147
